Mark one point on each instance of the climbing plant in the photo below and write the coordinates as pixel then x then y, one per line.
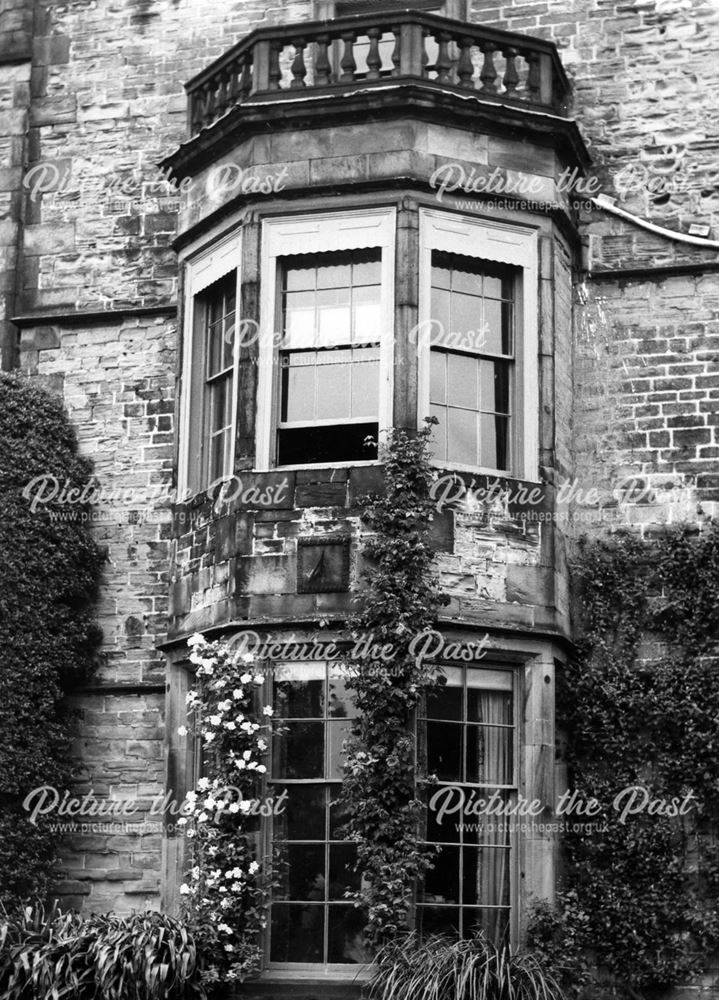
pixel 401 599
pixel 640 708
pixel 226 889
pixel 50 573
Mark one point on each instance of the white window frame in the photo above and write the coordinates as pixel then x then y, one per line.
pixel 496 243
pixel 308 234
pixel 203 270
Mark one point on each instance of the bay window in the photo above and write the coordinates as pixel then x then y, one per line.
pixel 466 737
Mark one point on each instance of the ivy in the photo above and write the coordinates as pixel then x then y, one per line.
pixel 50 575
pixel 640 707
pixel 402 599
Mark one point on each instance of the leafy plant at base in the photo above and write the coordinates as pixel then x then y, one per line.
pixel 51 572
pixel 437 968
pixel 640 706
pixel 225 895
pixel 401 600
pixel 53 956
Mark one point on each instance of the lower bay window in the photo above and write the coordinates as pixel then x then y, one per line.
pixel 466 737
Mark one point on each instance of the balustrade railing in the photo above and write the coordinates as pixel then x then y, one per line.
pixel 368 51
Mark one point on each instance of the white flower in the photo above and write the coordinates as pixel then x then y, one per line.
pixel 236 887
pixel 245 806
pixel 196 640
pixel 209 737
pixel 215 720
pixel 182 731
pixel 209 803
pixel 234 807
pixel 254 867
pixel 247 658
pixel 224 706
pixel 247 754
pixel 224 929
pixel 203 817
pixel 259 679
pixel 225 904
pixel 231 726
pixel 203 784
pixel 185 889
pixel 261 745
pixel 237 693
pixel 182 821
pixel 229 947
pixel 261 768
pixel 268 710
pixel 241 764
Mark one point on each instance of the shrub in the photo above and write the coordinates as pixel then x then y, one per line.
pixel 439 968
pixel 51 571
pixel 50 956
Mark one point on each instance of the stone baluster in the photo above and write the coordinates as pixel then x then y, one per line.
pixel 323 67
pixel 246 78
pixel 465 68
pixel 348 63
pixel 298 68
pixel 374 59
pixel 511 76
pixel 443 65
pixel 488 75
pixel 397 51
pixel 275 71
pixel 533 89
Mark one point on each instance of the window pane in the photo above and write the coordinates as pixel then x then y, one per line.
pixel 341 698
pixel 489 755
pixel 365 389
pixel 301 872
pixel 333 316
pixel 342 877
pixel 297 933
pixel 493 327
pixel 299 331
pixel 300 699
pixel 337 733
pixel 438 920
pixel 315 445
pixel 442 882
pixel 462 381
pixel 444 814
pixel 441 326
pixel 444 750
pixel 303 816
pixel 494 923
pixel 299 278
pixel 334 276
pixel 466 313
pixel 346 944
pixel 486 876
pixel 462 437
pixel 438 376
pixel 298 389
pixel 494 452
pixel 489 706
pixel 338 814
pixel 367 315
pixel 439 432
pixel 333 390
pixel 299 752
pixel 445 703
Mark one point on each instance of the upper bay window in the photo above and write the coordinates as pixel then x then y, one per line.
pixel 326 347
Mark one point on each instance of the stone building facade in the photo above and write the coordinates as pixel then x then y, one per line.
pixel 562 160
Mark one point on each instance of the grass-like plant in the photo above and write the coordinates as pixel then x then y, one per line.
pixel 441 968
pixel 49 955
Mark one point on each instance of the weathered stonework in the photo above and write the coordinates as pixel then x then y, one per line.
pixel 91 100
